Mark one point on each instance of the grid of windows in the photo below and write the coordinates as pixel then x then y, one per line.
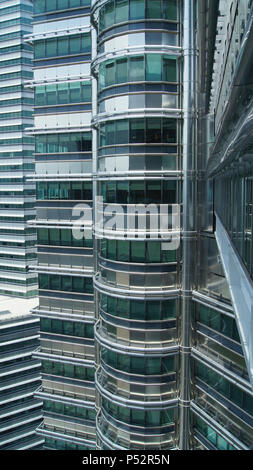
pixel 211 435
pixel 65 445
pixel 236 192
pixel 63 143
pixel 149 310
pixel 47 6
pixel 137 364
pixel 65 283
pixel 63 93
pixel 63 46
pixel 74 191
pixel 136 251
pixel 68 370
pixel 53 325
pixel 217 321
pixel 139 192
pixel 149 67
pixel 138 417
pixel 225 388
pixel 141 130
pixel 61 237
pixel 69 410
pixel 118 11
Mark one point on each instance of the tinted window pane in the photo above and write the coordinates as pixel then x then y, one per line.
pixel 154 9
pixel 121 10
pixel 153 67
pixel 137 9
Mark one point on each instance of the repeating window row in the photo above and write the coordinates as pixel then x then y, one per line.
pixel 63 46
pixel 21 114
pixel 137 417
pixel 15 48
pixel 149 67
pixel 145 310
pixel 225 388
pixel 75 191
pixel 65 445
pixel 218 441
pixel 23 74
pixel 18 61
pixel 14 22
pixel 69 410
pixel 139 365
pixel 70 328
pixel 61 237
pixel 140 130
pixel 136 251
pixel 65 283
pixel 63 93
pixel 46 6
pixel 14 8
pixel 139 192
pixel 63 143
pixel 10 89
pixel 118 11
pixel 217 321
pixel 68 370
pixel 14 101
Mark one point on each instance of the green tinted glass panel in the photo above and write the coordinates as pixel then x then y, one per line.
pixel 138 252
pixel 121 10
pixel 137 9
pixel 169 70
pixel 110 73
pixel 170 9
pixel 109 14
pixel 121 70
pixel 136 69
pixel 153 67
pixel 63 46
pixel 154 8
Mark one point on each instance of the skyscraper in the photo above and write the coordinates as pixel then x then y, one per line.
pixel 139 100
pixel 61 39
pixel 20 412
pixel 17 193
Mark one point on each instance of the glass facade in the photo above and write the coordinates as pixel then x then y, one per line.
pixel 137 280
pixel 63 151
pixel 142 328
pixel 20 412
pixel 17 192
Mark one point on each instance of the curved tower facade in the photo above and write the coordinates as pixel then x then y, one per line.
pixel 138 181
pixel 161 356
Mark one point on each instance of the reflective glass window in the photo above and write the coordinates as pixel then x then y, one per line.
pixel 137 252
pixel 109 14
pixel 122 131
pixel 136 69
pixel 75 44
pixel 75 92
pixel 51 94
pixel 51 47
pixel 137 9
pixel 62 46
pixel 153 130
pixel 110 73
pixel 153 67
pixel 169 70
pixel 154 8
pixel 137 131
pixel 121 70
pixel 121 10
pixel 170 9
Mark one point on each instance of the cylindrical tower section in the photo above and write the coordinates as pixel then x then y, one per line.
pixel 137 226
